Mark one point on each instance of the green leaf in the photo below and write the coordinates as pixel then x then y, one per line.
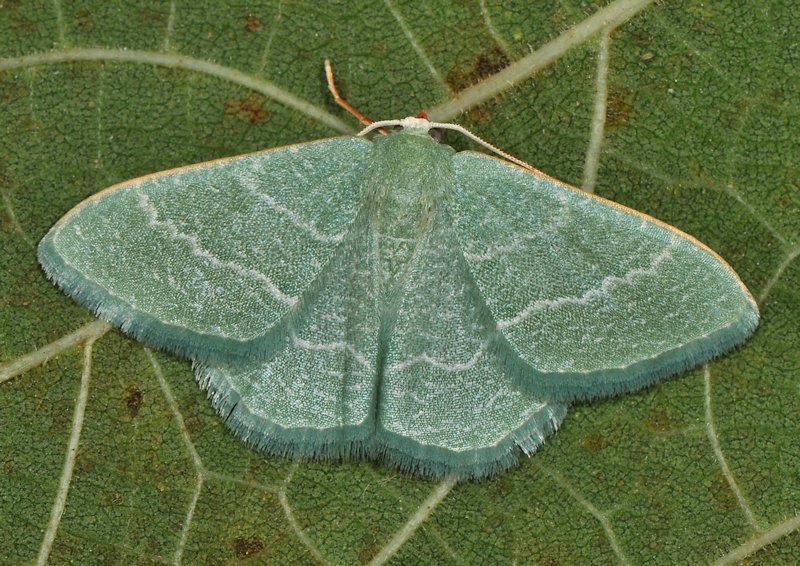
pixel 701 113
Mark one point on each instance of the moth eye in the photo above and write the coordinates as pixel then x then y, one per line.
pixel 436 134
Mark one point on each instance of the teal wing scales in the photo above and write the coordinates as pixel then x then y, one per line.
pixel 590 298
pixel 314 396
pixel 206 260
pixel 446 407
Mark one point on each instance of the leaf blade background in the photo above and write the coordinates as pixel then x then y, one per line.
pixel 698 133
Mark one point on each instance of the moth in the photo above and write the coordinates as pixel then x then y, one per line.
pixel 394 299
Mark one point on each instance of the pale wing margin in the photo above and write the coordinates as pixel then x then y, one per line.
pixel 591 298
pixel 205 260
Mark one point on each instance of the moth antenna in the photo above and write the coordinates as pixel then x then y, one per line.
pixel 366 120
pixel 380 125
pixel 484 143
pixel 455 127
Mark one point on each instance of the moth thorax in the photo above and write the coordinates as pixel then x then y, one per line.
pixel 409 180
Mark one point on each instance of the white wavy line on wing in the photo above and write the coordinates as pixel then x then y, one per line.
pixel 331 347
pixel 601 290
pixel 560 220
pixel 251 183
pixel 425 358
pixel 199 251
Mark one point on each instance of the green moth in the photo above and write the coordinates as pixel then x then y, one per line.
pixel 395 299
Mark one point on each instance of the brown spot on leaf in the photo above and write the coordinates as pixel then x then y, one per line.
pixel 152 18
pixel 252 23
pixel 594 442
pixel 10 464
pixel 113 498
pixel 641 38
pixel 659 421
pixel 490 63
pixel 501 487
pixel 12 89
pixel 85 463
pixel 722 494
pixel 20 23
pixel 246 547
pixel 619 108
pixel 478 114
pixel 486 64
pixel 792 176
pixel 5 180
pixel 83 19
pixel 249 108
pixel 134 399
pixel 367 553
